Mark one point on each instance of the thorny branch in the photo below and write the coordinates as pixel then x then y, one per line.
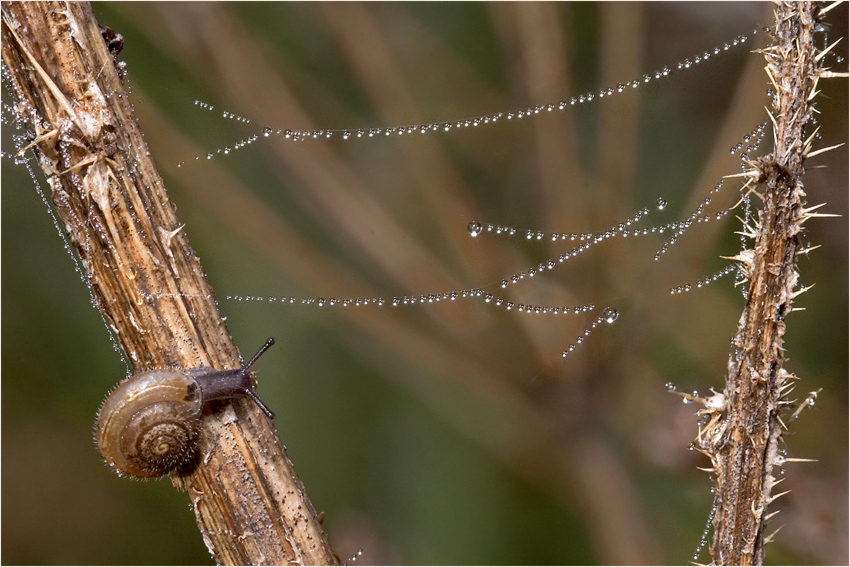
pixel 742 428
pixel 249 504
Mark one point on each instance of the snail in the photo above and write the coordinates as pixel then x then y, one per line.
pixel 149 425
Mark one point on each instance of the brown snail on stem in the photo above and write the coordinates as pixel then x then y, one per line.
pixel 149 425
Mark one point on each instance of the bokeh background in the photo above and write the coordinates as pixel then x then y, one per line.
pixel 440 434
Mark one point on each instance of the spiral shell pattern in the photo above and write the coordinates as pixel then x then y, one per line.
pixel 149 425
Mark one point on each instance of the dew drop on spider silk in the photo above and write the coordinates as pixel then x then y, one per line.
pixel 661 204
pixel 609 315
pixel 267 131
pixel 474 229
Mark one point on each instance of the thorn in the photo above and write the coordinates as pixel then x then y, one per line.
pixel 769 516
pixel 82 163
pixel 705 469
pixel 772 119
pixel 751 173
pixel 814 92
pixel 812 137
pixel 772 79
pixel 821 215
pixel 807 213
pixel 745 257
pixel 820 55
pixel 37 140
pixel 786 389
pixel 828 8
pixel 820 151
pixel 806 252
pixel 809 401
pixel 802 290
pixel 833 75
pixel 689 397
pixel 48 82
pixel 750 232
pixel 774 497
pixel 769 538
pixel 794 460
pixel 751 190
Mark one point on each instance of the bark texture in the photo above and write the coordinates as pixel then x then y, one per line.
pixel 743 428
pixel 250 506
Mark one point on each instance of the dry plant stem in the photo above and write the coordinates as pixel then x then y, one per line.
pixel 250 506
pixel 744 446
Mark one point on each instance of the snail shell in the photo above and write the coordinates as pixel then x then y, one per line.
pixel 150 424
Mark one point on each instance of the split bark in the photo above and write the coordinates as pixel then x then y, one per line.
pixel 744 444
pixel 250 506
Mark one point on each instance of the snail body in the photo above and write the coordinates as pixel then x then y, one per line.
pixel 149 425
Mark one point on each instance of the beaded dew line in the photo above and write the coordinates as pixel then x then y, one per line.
pixel 20 141
pixel 754 138
pixel 448 125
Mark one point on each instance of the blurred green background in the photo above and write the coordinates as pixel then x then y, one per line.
pixel 447 434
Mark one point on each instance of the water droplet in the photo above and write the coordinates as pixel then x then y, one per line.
pixel 474 229
pixel 660 204
pixel 267 131
pixel 609 315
